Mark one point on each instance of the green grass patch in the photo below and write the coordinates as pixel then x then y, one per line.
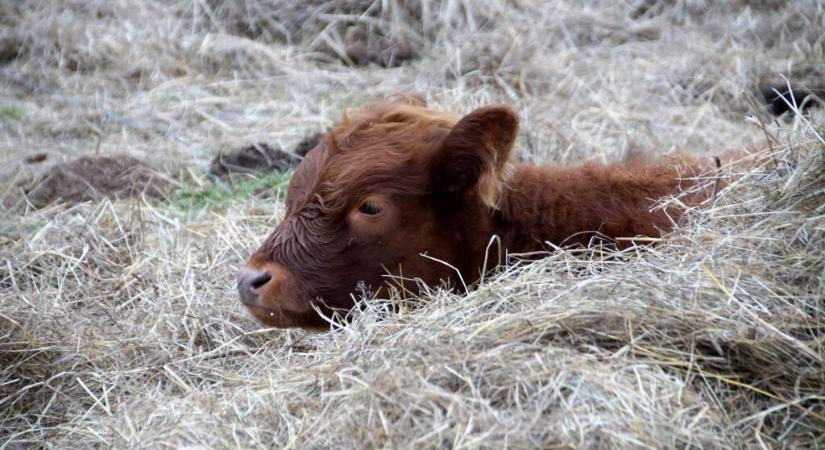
pixel 219 194
pixel 10 113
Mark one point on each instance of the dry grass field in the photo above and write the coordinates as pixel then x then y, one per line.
pixel 119 320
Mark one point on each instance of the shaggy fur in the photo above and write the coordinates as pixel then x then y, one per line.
pixel 396 181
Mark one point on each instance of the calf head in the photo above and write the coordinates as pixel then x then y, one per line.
pixel 394 181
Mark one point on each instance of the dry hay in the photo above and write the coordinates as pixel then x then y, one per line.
pixel 119 324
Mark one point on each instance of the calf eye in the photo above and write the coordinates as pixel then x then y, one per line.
pixel 369 209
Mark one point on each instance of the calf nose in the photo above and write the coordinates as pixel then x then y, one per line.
pixel 249 281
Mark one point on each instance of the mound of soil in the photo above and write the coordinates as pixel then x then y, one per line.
pixel 361 53
pixel 779 97
pixel 94 178
pixel 257 158
pixel 308 144
pixel 9 49
pixel 364 34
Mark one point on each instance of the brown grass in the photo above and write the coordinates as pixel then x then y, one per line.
pixel 119 323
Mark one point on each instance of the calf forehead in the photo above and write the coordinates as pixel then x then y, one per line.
pixel 304 178
pixel 380 157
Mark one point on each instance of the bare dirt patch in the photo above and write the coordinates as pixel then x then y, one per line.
pixel 94 178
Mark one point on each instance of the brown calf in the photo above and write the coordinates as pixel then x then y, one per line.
pixel 395 181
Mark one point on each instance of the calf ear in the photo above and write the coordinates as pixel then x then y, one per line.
pixel 476 151
pixel 409 98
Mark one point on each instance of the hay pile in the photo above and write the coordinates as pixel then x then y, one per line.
pixel 119 323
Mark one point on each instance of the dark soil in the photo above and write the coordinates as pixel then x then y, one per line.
pixel 258 158
pixel 361 43
pixel 9 49
pixel 36 158
pixel 360 53
pixel 779 97
pixel 308 144
pixel 94 178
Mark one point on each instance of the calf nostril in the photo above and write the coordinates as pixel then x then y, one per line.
pixel 248 284
pixel 260 280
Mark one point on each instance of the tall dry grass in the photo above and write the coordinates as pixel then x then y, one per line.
pixel 119 324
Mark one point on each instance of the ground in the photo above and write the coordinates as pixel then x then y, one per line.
pixel 119 321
